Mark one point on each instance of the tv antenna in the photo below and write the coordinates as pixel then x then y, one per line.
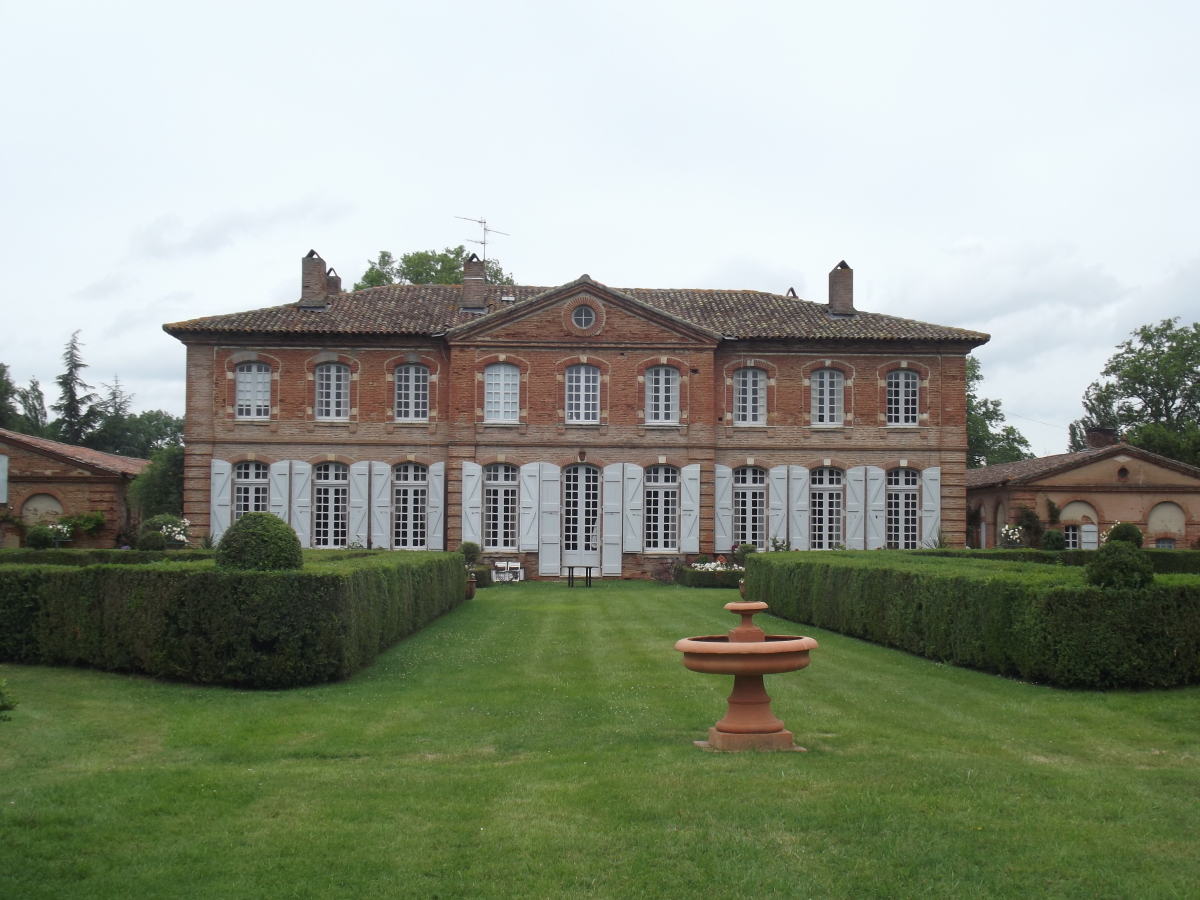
pixel 487 229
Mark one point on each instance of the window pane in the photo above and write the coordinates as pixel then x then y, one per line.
pixel 828 392
pixel 902 386
pixel 253 391
pixel 826 509
pixel 501 393
pixel 749 397
pixel 583 394
pixel 412 393
pixel 662 394
pixel 902 509
pixel 333 391
pixel 750 506
pixel 661 509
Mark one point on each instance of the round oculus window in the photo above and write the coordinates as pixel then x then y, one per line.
pixel 583 317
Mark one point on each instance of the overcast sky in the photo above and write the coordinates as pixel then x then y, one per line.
pixel 1025 169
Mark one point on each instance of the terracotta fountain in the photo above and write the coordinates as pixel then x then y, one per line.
pixel 747 653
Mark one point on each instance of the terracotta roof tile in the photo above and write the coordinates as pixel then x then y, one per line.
pixel 1027 470
pixel 120 465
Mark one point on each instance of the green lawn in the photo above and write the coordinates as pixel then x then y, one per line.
pixel 537 742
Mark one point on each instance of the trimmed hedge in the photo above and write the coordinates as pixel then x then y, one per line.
pixel 192 621
pixel 1040 623
pixel 65 557
pixel 1165 562
pixel 483 576
pixel 689 577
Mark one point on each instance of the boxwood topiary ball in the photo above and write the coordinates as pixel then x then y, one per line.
pixel 1119 564
pixel 1054 540
pixel 39 537
pixel 1125 531
pixel 152 540
pixel 259 541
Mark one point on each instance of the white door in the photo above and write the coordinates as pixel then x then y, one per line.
pixel 581 516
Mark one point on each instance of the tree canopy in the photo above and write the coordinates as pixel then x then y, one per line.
pixel 989 441
pixel 426 267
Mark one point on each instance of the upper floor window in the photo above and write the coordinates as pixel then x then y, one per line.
pixel 826 509
pixel 662 395
pixel 250 488
pixel 749 397
pixel 583 393
pixel 500 509
pixel 828 393
pixel 253 391
pixel 333 391
pixel 412 394
pixel 501 393
pixel 902 509
pixel 902 397
pixel 661 510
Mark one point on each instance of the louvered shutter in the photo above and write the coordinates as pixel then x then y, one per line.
pixel 472 503
pixel 1089 536
pixel 302 502
pixel 360 491
pixel 220 498
pixel 529 506
pixel 777 497
pixel 381 505
pixel 550 505
pixel 610 535
pixel 876 507
pixel 856 498
pixel 280 488
pixel 689 509
pixel 435 508
pixel 931 506
pixel 632 531
pixel 798 477
pixel 722 509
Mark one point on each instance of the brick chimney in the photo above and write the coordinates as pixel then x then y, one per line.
pixel 313 282
pixel 333 282
pixel 474 292
pixel 1101 437
pixel 841 290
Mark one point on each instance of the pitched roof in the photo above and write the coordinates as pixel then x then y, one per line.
pixel 1028 470
pixel 109 462
pixel 432 309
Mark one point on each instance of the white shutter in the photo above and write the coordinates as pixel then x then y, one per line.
pixel 435 508
pixel 722 509
pixel 876 507
pixel 472 503
pixel 381 505
pixel 931 505
pixel 549 503
pixel 610 536
pixel 3 478
pixel 1089 536
pixel 302 502
pixel 689 509
pixel 983 534
pixel 220 499
pixel 633 508
pixel 529 506
pixel 799 506
pixel 280 489
pixel 360 491
pixel 777 497
pixel 856 497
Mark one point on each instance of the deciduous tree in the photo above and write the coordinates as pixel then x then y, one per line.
pixel 426 267
pixel 989 441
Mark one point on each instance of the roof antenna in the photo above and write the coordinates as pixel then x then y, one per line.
pixel 486 231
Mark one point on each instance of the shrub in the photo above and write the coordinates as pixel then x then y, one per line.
pixel 1030 525
pixel 1119 564
pixel 64 557
pixel 1053 540
pixel 470 551
pixel 173 529
pixel 724 578
pixel 701 560
pixel 151 540
pixel 1127 532
pixel 483 576
pixel 1165 562
pixel 259 541
pixel 39 537
pixel 742 551
pixel 6 701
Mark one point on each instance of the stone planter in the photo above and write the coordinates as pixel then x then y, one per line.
pixel 471 586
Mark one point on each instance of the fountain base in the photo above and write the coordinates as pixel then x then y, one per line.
pixel 727 741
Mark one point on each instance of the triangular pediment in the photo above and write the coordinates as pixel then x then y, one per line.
pixel 552 317
pixel 1126 466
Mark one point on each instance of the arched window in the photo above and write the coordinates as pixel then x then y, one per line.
pixel 583 394
pixel 749 397
pixel 250 488
pixel 902 386
pixel 412 393
pixel 826 508
pixel 333 391
pixel 662 396
pixel 501 393
pixel 253 383
pixel 331 488
pixel 828 393
pixel 902 509
pixel 661 509
pixel 500 507
pixel 750 506
pixel 410 503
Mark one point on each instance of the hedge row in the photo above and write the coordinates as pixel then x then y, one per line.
pixel 63 557
pixel 689 577
pixel 1165 562
pixel 194 622
pixel 1041 623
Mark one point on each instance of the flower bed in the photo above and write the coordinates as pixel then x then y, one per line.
pixel 709 575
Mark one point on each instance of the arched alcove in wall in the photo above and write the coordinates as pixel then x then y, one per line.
pixel 41 509
pixel 1077 512
pixel 1167 518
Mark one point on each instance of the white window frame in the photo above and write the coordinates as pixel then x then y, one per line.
pixel 410 506
pixel 412 393
pixel 828 398
pixel 827 509
pixel 660 509
pixel 581 508
pixel 582 395
pixel 251 488
pixel 903 398
pixel 750 396
pixel 750 507
pixel 1070 537
pixel 501 507
pixel 587 312
pixel 502 393
pixel 662 395
pixel 332 388
pixel 331 505
pixel 252 388
pixel 1165 543
pixel 903 523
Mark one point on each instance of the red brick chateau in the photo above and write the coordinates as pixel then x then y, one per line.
pixel 578 425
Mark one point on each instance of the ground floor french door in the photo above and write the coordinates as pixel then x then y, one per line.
pixel 581 516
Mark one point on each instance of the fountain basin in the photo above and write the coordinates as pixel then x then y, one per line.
pixel 716 654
